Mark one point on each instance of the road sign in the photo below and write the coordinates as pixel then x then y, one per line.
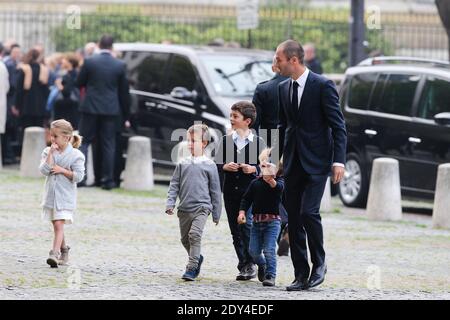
pixel 247 14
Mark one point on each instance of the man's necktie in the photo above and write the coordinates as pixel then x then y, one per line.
pixel 295 95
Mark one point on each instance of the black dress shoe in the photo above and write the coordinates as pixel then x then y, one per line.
pixel 317 276
pixel 109 186
pixel 97 184
pixel 10 161
pixel 81 184
pixel 298 285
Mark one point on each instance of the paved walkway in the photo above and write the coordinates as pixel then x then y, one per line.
pixel 125 247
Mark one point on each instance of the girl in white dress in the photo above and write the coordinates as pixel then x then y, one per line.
pixel 63 165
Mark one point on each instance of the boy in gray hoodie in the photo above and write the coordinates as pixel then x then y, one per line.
pixel 196 182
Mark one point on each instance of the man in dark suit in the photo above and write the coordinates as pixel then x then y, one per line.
pixel 313 136
pixel 104 78
pixel 12 116
pixel 123 123
pixel 311 60
pixel 265 100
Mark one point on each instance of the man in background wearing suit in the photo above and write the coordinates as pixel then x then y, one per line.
pixel 105 80
pixel 313 136
pixel 265 100
pixel 311 60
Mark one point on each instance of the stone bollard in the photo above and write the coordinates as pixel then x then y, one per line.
pixel 325 203
pixel 384 202
pixel 33 145
pixel 1 162
pixel 138 173
pixel 441 208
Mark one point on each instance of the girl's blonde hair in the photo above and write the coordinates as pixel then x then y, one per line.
pixel 67 130
pixel 264 156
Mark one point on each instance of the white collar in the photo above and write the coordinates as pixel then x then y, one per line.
pixel 249 137
pixel 302 79
pixel 198 159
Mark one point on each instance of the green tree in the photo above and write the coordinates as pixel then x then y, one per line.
pixel 328 30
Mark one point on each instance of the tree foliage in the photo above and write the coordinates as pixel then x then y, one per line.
pixel 330 34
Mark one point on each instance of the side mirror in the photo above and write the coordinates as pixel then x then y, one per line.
pixel 442 118
pixel 183 93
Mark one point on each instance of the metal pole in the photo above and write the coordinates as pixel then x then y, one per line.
pixel 357 32
pixel 289 28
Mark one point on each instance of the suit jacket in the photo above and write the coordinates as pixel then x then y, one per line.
pixel 125 102
pixel 265 100
pixel 315 130
pixel 236 183
pixel 105 80
pixel 4 87
pixel 11 65
pixel 315 66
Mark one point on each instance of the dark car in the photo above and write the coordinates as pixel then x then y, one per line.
pixel 398 108
pixel 172 86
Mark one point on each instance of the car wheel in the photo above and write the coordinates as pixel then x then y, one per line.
pixel 354 187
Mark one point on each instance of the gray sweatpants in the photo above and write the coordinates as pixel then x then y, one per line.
pixel 191 229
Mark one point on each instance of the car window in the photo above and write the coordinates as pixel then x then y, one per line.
pixel 360 90
pixel 343 93
pixel 146 70
pixel 377 93
pixel 237 75
pixel 398 94
pixel 181 74
pixel 435 98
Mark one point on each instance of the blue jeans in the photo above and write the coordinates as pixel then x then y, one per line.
pixel 263 242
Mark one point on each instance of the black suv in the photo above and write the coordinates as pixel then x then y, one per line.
pixel 172 86
pixel 398 108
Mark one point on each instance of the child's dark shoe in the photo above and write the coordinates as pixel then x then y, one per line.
pixel 189 275
pixel 261 273
pixel 251 271
pixel 200 261
pixel 269 281
pixel 53 259
pixel 247 272
pixel 241 275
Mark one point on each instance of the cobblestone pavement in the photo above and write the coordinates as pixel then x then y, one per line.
pixel 125 247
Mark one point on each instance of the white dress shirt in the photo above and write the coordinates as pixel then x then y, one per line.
pixel 301 86
pixel 104 51
pixel 242 142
